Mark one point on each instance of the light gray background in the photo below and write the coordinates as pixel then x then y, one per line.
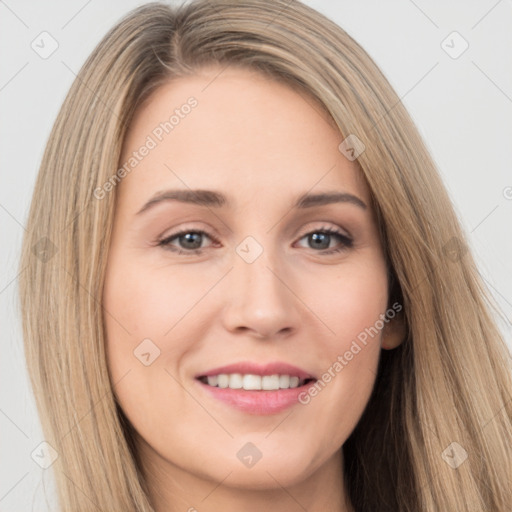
pixel 462 107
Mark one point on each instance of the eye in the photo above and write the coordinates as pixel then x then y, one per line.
pixel 190 241
pixel 321 239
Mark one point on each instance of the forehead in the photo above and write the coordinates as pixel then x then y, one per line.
pixel 235 129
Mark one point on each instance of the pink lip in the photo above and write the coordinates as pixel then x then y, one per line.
pixel 258 402
pixel 257 369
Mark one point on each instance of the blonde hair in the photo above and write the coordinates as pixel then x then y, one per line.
pixel 448 382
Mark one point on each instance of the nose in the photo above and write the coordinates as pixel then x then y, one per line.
pixel 260 299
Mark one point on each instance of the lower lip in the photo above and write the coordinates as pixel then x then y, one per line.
pixel 258 402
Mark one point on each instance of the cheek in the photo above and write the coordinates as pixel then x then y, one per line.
pixel 350 306
pixel 142 302
pixel 151 317
pixel 143 312
pixel 349 303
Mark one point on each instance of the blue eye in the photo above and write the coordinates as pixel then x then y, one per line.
pixel 190 241
pixel 321 239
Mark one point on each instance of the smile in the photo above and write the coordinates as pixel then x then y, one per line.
pixel 253 388
pixel 254 382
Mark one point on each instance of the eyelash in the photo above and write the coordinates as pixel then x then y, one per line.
pixel 346 242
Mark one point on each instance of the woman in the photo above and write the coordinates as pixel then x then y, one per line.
pixel 246 371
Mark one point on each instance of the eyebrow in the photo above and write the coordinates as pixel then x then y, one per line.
pixel 213 199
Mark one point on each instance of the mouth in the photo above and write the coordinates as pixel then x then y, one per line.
pixel 256 389
pixel 253 382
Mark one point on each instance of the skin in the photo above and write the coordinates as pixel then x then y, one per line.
pixel 262 144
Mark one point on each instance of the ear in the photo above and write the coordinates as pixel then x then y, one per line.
pixel 394 332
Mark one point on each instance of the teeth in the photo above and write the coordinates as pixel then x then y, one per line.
pixel 254 382
pixel 284 381
pixel 222 380
pixel 236 381
pixel 270 382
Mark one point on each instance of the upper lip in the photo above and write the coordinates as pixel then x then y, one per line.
pixel 246 367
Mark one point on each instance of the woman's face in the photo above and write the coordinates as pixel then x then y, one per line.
pixel 255 282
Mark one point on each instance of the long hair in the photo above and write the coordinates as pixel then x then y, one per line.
pixel 444 395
